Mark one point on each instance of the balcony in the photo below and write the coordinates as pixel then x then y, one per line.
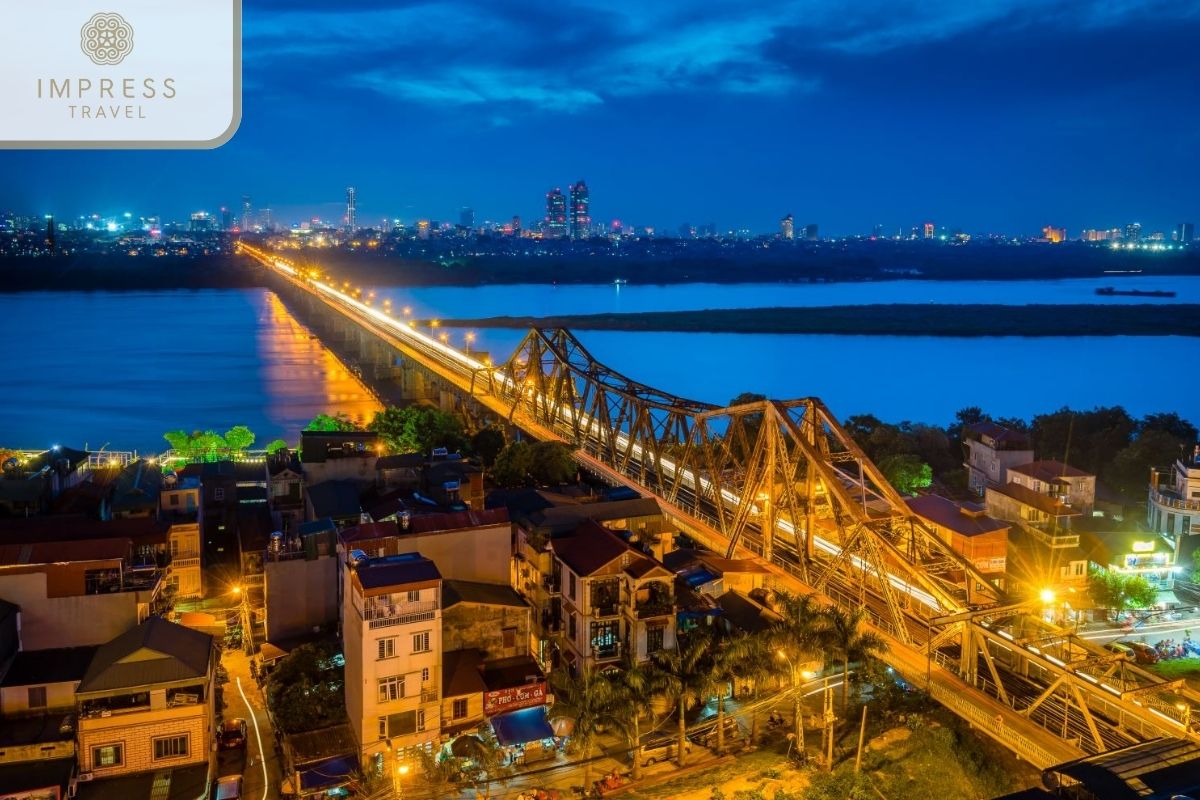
pixel 382 616
pixel 605 610
pixel 551 585
pixel 610 653
pixel 654 608
pixel 1167 497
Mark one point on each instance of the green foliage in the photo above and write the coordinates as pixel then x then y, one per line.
pixel 199 445
pixel 540 463
pixel 276 445
pixel 305 690
pixel 486 768
pixel 685 676
pixel 1112 590
pixel 487 444
pixel 239 438
pixel 418 429
pixel 337 422
pixel 587 700
pixel 907 473
pixel 440 776
pixel 842 784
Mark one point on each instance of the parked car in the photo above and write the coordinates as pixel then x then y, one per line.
pixel 232 734
pixel 1143 653
pixel 705 734
pixel 228 788
pixel 660 747
pixel 1121 649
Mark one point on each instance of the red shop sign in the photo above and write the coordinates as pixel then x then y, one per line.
pixel 511 699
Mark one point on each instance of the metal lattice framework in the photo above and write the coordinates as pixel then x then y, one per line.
pixel 782 479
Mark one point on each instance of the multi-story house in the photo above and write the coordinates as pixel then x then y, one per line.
pixel 179 507
pixel 146 701
pixel 969 531
pixel 615 599
pixel 286 495
pixel 338 455
pixel 1064 483
pixel 1173 505
pixel 391 631
pixel 990 451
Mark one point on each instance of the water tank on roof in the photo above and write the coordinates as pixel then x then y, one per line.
pixel 170 479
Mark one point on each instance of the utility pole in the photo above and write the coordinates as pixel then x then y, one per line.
pixel 862 735
pixel 828 729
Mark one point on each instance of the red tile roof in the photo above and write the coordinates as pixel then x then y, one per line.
pixel 1049 470
pixel 1041 502
pixel 952 516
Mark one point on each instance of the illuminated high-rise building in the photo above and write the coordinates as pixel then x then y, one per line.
pixel 1185 232
pixel 1133 231
pixel 1054 235
pixel 50 240
pixel 351 209
pixel 556 214
pixel 516 224
pixel 581 221
pixel 928 229
pixel 246 212
pixel 466 217
pixel 201 222
pixel 787 227
pixel 226 219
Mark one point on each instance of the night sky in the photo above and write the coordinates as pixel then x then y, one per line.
pixel 985 115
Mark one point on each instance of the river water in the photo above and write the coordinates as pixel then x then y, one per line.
pixel 89 368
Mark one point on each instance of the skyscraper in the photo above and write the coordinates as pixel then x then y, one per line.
pixel 1186 232
pixel 246 211
pixel 1133 231
pixel 581 221
pixel 516 225
pixel 351 209
pixel 50 241
pixel 787 227
pixel 226 219
pixel 810 231
pixel 556 214
pixel 928 230
pixel 466 217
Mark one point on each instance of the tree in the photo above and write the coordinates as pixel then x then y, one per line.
pixel 1129 469
pixel 587 700
pixel 846 640
pixel 512 465
pixel 305 690
pixel 552 463
pixel 732 654
pixel 209 445
pixel 631 687
pixel 239 438
pixel 415 429
pixel 1170 423
pixel 441 775
pixel 394 426
pixel 907 473
pixel 685 676
pixel 486 765
pixel 276 445
pixel 795 640
pixel 180 441
pixel 1112 590
pixel 487 444
pixel 337 422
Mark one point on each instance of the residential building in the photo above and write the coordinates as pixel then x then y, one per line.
pixel 391 632
pixel 338 455
pixel 179 508
pixel 990 451
pixel 970 532
pixel 1044 517
pixel 446 478
pixel 30 485
pixel 472 545
pixel 300 583
pixel 286 495
pixel 615 599
pixel 339 500
pixel 1060 481
pixel 488 617
pixel 1173 504
pixel 146 701
pixel 509 694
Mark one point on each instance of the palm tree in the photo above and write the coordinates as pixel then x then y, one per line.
pixel 846 640
pixel 441 774
pixel 631 690
pixel 686 675
pixel 758 664
pixel 587 700
pixel 795 639
pixel 731 654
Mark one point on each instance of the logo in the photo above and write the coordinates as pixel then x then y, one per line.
pixel 106 38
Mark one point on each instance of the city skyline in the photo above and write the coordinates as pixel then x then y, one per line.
pixel 1005 119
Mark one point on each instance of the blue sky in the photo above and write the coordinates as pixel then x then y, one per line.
pixel 978 114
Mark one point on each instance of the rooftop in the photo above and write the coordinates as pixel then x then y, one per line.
pixel 745 614
pixel 461 673
pixel 505 673
pixel 155 652
pixel 1001 437
pixel 76 527
pixel 1049 470
pixel 398 570
pixel 56 665
pixel 488 594
pixel 1041 502
pixel 1159 768
pixel 965 519
pixel 115 549
pixel 590 548
pixel 181 783
pixel 335 499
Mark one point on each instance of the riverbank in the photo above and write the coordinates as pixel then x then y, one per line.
pixel 897 320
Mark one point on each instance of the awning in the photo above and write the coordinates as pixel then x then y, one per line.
pixel 326 774
pixel 519 727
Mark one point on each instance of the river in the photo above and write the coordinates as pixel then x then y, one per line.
pixel 89 368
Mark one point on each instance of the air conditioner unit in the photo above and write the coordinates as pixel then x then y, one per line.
pixel 84 777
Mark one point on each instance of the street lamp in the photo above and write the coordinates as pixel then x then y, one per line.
pixel 470 337
pixel 797 703
pixel 1186 710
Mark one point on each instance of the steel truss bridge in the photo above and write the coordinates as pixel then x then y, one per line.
pixel 781 482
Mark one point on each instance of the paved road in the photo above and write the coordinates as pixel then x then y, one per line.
pixel 261 778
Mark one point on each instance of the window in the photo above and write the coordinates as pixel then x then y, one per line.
pixel 654 638
pixel 459 709
pixel 397 724
pixel 571 584
pixel 604 638
pixel 174 500
pixel 170 747
pixel 414 596
pixel 420 719
pixel 108 755
pixel 37 696
pixel 383 727
pixel 420 642
pixel 424 674
pixel 510 637
pixel 387 647
pixel 391 688
pixel 571 626
pixel 219 493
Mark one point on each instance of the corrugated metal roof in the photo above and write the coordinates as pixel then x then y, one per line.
pixel 157 651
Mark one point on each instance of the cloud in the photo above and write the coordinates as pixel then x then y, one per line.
pixel 527 55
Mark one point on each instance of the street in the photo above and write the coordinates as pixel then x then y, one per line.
pixel 243 698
